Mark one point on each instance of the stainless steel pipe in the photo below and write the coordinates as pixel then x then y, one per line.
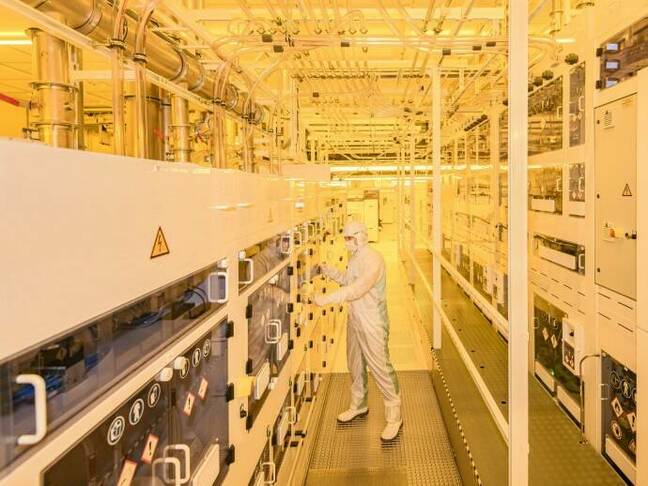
pixel 94 18
pixel 180 129
pixel 56 95
pixel 155 133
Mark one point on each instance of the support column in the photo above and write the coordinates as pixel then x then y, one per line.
pixel 436 206
pixel 412 212
pixel 56 94
pixel 155 126
pixel 518 345
pixel 180 129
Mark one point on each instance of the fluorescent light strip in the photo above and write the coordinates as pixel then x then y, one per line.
pixel 15 42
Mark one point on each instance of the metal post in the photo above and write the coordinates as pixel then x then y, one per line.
pixel 180 129
pixel 582 394
pixel 412 212
pixel 166 125
pixel 436 205
pixel 518 351
pixel 494 184
pixel 399 199
pixel 76 60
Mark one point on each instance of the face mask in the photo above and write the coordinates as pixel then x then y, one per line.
pixel 351 245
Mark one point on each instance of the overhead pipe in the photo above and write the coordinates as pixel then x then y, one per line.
pixel 117 45
pixel 556 16
pixel 248 105
pixel 139 56
pixel 95 19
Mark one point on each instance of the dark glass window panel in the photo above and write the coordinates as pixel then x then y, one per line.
pixel 156 413
pixel 79 366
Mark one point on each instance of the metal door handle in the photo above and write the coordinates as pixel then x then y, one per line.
pixel 250 263
pixel 184 448
pixel 273 324
pixel 175 463
pixel 289 243
pixel 271 477
pixel 214 296
pixel 40 408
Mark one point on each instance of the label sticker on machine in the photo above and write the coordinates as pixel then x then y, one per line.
pixel 202 389
pixel 196 357
pixel 189 403
pixel 149 448
pixel 153 396
pixel 116 430
pixel 136 411
pixel 160 246
pixel 632 421
pixel 616 406
pixel 127 473
pixel 554 341
pixel 206 348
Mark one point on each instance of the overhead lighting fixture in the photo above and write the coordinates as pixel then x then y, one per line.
pixel 565 40
pixel 15 42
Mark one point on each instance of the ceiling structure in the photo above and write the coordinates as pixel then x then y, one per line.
pixel 356 71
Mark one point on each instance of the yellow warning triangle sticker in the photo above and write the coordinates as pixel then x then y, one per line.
pixel 160 246
pixel 626 191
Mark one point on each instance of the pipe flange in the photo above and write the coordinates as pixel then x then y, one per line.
pixel 201 80
pixel 93 19
pixel 184 66
pixel 37 85
pixel 140 57
pixel 114 43
pixel 46 123
pixel 233 95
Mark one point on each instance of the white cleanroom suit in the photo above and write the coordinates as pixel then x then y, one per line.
pixel 363 287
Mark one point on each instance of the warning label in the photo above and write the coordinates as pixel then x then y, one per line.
pixel 149 448
pixel 127 473
pixel 202 390
pixel 626 191
pixel 160 246
pixel 189 403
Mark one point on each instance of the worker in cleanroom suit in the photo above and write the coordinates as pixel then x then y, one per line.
pixel 363 287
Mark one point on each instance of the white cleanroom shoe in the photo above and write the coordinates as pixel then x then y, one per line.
pixel 394 423
pixel 348 415
pixel 391 430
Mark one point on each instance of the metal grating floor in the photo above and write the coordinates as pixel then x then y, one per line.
pixel 352 454
pixel 556 457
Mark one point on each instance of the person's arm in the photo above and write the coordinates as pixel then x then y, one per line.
pixel 356 289
pixel 333 273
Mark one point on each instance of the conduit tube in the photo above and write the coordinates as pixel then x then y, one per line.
pixel 117 45
pixel 139 56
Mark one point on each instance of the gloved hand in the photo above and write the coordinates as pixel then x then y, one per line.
pixel 320 300
pixel 325 269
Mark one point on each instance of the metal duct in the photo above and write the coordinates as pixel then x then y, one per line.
pixel 94 18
